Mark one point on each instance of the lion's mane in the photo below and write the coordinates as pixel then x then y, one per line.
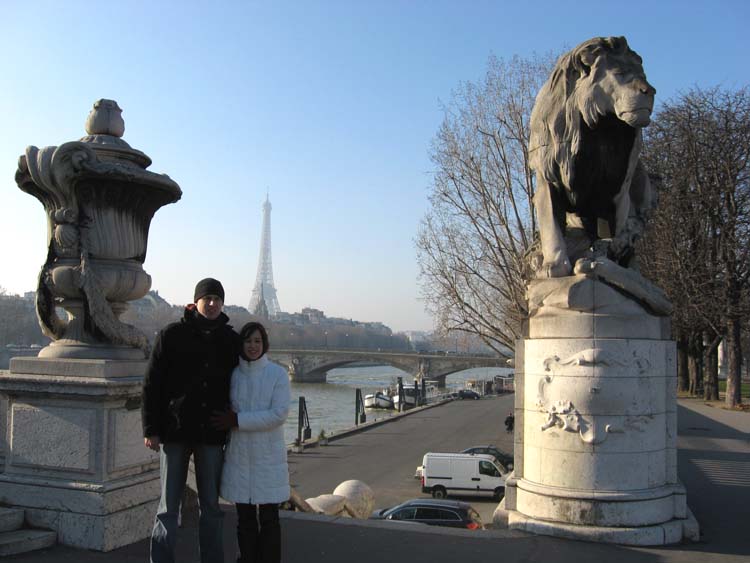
pixel 572 94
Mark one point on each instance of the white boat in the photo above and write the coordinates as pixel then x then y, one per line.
pixel 410 398
pixel 432 391
pixel 378 400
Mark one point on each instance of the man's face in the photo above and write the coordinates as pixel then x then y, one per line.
pixel 210 306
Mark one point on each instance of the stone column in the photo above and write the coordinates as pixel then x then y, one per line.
pixel 76 462
pixel 596 419
pixel 72 454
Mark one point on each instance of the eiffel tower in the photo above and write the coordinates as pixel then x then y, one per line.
pixel 263 301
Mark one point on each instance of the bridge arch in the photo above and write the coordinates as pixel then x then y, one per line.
pixel 311 366
pixel 321 371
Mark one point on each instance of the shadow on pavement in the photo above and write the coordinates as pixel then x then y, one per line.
pixel 717 479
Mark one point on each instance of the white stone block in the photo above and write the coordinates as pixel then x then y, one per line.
pixel 623 511
pixel 670 456
pixel 500 516
pixel 672 531
pixel 52 437
pixel 126 442
pixel 680 504
pixel 549 324
pixel 671 429
pixel 78 367
pixel 633 326
pixel 670 392
pixel 614 357
pixel 670 358
pixel 595 472
pixel 622 472
pixel 511 490
pixel 76 496
pixel 642 535
pixel 566 469
pixel 532 463
pixel 605 434
pixel 553 356
pixel 601 395
pixel 657 468
pixel 101 533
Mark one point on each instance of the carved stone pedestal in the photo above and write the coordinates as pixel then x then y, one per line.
pixel 596 419
pixel 74 457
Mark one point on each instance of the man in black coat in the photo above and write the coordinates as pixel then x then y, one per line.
pixel 187 379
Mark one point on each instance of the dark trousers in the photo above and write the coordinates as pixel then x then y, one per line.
pixel 258 533
pixel 208 460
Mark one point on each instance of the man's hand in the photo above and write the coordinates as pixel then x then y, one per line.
pixel 224 420
pixel 152 442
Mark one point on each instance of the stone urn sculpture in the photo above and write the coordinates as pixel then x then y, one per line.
pixel 99 200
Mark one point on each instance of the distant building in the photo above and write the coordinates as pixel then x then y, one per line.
pixel 419 340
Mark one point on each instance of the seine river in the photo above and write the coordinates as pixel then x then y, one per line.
pixel 331 405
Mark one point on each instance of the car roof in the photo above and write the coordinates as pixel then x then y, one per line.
pixel 434 503
pixel 489 457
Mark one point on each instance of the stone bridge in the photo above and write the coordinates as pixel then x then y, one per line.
pixel 311 366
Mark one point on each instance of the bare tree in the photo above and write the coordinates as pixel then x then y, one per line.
pixel 698 248
pixel 480 222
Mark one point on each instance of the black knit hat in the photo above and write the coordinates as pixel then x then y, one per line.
pixel 208 286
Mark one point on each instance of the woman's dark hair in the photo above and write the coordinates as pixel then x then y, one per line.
pixel 247 331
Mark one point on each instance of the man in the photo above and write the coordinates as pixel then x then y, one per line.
pixel 187 379
pixel 510 422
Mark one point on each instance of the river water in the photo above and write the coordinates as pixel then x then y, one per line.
pixel 331 405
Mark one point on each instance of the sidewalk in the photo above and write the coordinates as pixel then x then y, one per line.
pixel 714 464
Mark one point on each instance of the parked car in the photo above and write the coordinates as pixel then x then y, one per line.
pixel 468 394
pixel 452 513
pixel 506 460
pixel 444 473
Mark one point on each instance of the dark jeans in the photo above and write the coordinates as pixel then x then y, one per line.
pixel 258 533
pixel 208 461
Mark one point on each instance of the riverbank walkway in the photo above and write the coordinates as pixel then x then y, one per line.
pixel 714 464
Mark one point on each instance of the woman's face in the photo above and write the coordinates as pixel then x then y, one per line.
pixel 253 346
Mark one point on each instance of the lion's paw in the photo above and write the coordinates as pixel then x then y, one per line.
pixel 555 269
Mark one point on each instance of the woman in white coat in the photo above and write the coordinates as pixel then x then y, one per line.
pixel 255 475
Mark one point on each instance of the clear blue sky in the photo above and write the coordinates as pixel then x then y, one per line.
pixel 330 105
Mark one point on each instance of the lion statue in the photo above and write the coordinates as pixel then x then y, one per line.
pixel 592 190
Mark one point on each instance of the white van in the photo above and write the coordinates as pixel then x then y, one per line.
pixel 462 474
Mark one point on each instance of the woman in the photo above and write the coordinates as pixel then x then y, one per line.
pixel 255 474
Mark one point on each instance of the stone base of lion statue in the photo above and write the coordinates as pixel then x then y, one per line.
pixel 596 418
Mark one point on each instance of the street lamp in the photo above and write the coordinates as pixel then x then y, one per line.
pixel 326 335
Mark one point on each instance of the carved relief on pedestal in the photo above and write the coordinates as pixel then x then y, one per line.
pixel 597 357
pixel 562 413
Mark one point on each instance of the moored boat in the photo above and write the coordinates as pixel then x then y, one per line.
pixel 378 400
pixel 410 398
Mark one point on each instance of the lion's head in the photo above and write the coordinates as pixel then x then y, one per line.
pixel 600 77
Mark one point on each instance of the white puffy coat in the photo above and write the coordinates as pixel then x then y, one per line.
pixel 255 466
